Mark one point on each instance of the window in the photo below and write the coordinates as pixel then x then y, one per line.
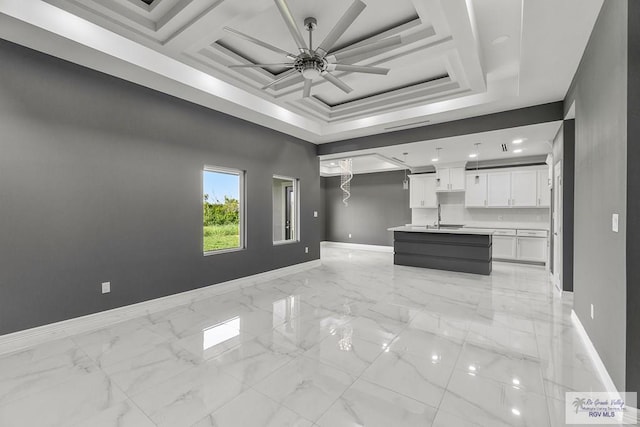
pixel 285 210
pixel 222 207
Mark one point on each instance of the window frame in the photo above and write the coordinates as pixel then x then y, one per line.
pixel 296 192
pixel 241 174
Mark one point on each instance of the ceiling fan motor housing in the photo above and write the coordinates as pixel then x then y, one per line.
pixel 310 66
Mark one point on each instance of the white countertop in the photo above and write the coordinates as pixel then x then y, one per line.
pixel 499 225
pixel 424 229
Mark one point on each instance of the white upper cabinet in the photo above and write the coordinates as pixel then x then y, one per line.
pixel 512 188
pixel 422 191
pixel 450 179
pixel 475 195
pixel 499 189
pixel 524 184
pixel 544 192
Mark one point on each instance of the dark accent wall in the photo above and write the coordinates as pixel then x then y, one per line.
pixel 508 119
pixel 101 180
pixel 600 92
pixel 633 199
pixel 377 202
pixel 568 190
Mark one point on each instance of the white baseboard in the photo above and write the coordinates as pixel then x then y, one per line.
pixel 42 334
pixel 342 245
pixel 632 411
pixel 593 353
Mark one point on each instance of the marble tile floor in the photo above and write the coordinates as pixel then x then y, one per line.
pixel 356 342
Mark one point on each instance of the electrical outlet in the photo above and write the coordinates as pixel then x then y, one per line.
pixel 315 214
pixel 306 249
pixel 106 287
pixel 349 235
pixel 591 311
pixel 614 222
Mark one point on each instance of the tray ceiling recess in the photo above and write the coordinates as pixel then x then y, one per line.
pixel 319 62
pixel 379 65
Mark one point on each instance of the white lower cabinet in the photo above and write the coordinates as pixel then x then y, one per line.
pixel 521 245
pixel 504 247
pixel 532 245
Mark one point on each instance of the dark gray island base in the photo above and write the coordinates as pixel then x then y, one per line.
pixel 443 250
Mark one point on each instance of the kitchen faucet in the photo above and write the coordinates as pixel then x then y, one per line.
pixel 439 216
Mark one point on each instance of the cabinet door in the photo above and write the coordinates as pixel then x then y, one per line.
pixel 457 179
pixel 430 196
pixel 524 185
pixel 544 192
pixel 417 191
pixel 442 179
pixel 504 247
pixel 532 249
pixel 475 195
pixel 499 189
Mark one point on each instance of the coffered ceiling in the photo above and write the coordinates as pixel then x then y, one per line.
pixel 458 58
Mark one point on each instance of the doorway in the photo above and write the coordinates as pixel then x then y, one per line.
pixel 557 225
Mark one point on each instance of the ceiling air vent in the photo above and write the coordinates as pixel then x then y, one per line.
pixel 504 148
pixel 397 159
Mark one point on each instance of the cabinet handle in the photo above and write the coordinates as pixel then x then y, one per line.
pixel 539 201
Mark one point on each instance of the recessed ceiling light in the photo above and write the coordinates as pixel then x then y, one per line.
pixel 519 150
pixel 332 164
pixel 518 141
pixel 435 159
pixel 500 39
pixel 515 412
pixel 473 155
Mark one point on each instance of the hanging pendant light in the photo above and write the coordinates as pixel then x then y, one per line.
pixel 405 183
pixel 436 159
pixel 477 153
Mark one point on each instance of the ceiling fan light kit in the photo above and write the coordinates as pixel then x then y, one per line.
pixel 320 62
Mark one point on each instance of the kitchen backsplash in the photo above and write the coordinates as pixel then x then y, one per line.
pixel 453 211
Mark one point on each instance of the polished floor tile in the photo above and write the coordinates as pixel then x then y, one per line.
pixel 355 342
pixel 306 386
pixel 367 404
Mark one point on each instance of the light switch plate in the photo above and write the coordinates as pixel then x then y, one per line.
pixel 315 214
pixel 614 222
pixel 106 287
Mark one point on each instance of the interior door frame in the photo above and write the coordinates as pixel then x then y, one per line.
pixel 557 224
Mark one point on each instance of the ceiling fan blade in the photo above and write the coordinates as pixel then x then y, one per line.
pixel 371 48
pixel 291 24
pixel 258 42
pixel 306 92
pixel 337 82
pixel 282 64
pixel 284 76
pixel 359 69
pixel 341 26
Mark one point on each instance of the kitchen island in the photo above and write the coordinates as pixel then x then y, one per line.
pixel 452 249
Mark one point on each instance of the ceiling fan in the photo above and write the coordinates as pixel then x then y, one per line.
pixel 312 63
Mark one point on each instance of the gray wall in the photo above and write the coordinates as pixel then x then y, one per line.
pixel 633 200
pixel 564 150
pixel 377 202
pixel 600 93
pixel 101 180
pixel 568 196
pixel 507 119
